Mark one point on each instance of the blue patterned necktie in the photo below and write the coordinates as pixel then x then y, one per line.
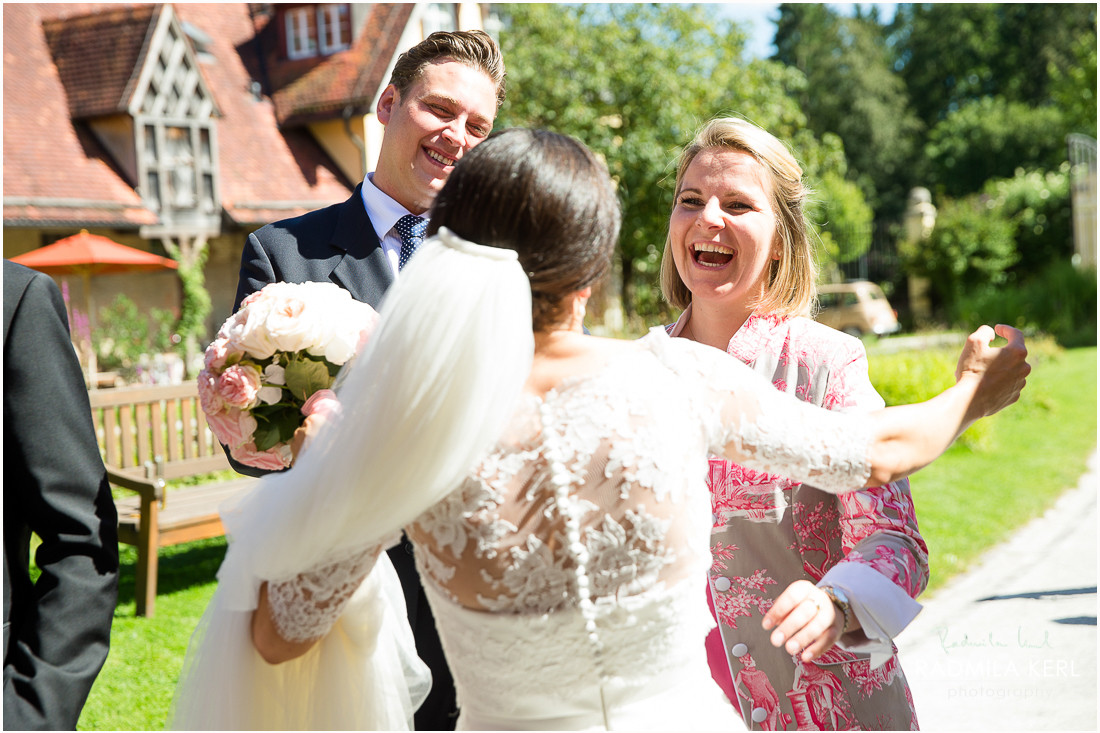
pixel 411 228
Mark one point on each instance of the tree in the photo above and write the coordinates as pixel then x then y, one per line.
pixel 1073 87
pixel 191 254
pixel 953 53
pixel 852 91
pixel 991 138
pixel 634 82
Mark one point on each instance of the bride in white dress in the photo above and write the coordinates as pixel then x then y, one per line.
pixel 552 482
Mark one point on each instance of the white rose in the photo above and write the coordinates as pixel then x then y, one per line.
pixel 293 326
pixel 248 333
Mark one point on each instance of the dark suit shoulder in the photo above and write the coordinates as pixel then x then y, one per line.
pixel 17 281
pixel 318 228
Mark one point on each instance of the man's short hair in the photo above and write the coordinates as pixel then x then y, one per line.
pixel 476 49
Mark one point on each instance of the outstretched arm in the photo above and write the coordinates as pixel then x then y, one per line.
pixel 769 431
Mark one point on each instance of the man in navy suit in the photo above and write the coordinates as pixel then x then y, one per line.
pixel 57 629
pixel 441 100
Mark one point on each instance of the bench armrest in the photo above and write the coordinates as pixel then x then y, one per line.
pixel 150 488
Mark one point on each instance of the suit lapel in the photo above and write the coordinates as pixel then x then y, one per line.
pixel 364 270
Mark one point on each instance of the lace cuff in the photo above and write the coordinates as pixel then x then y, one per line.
pixel 306 606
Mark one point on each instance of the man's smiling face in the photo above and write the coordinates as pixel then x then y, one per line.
pixel 447 111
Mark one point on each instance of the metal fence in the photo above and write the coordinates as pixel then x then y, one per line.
pixel 880 262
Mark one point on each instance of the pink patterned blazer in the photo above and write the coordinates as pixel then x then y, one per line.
pixel 770 531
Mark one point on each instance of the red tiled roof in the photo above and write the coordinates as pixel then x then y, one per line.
pixel 99 55
pixel 49 160
pixel 324 85
pixel 55 171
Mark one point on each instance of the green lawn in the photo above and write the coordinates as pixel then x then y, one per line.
pixel 971 499
pixel 134 689
pixel 966 502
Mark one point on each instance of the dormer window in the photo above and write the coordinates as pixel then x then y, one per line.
pixel 438 17
pixel 317 29
pixel 333 28
pixel 174 137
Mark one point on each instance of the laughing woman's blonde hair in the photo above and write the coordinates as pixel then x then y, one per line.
pixel 790 286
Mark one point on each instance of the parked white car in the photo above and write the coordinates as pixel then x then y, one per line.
pixel 856 308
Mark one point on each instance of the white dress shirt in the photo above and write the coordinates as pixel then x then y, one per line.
pixel 383 213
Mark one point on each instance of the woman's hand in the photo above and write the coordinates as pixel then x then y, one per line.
pixel 266 637
pixel 310 427
pixel 317 410
pixel 999 373
pixel 805 619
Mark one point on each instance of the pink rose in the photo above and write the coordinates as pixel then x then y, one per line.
pixel 273 459
pixel 232 427
pixel 239 386
pixel 209 399
pixel 216 354
pixel 323 403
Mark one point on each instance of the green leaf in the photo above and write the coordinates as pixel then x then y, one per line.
pixel 305 376
pixel 266 435
pixel 274 427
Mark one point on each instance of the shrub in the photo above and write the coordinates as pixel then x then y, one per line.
pixel 127 334
pixel 972 246
pixel 1038 204
pixel 916 376
pixel 1060 301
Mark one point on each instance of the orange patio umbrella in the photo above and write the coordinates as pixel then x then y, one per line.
pixel 86 255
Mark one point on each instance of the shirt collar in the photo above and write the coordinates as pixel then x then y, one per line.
pixel 382 210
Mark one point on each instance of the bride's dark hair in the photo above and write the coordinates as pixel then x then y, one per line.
pixel 547 197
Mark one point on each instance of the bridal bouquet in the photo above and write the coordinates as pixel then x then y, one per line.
pixel 273 364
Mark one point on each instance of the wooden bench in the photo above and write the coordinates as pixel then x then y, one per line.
pixel 150 435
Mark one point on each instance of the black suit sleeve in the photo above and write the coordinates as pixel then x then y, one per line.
pixel 57 630
pixel 257 271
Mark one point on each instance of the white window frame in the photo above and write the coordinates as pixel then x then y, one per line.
pixel 300 44
pixel 328 16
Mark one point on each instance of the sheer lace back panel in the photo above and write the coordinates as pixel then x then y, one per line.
pixel 627 472
pixel 566 573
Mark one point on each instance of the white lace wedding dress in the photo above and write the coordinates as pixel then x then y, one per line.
pixel 567 572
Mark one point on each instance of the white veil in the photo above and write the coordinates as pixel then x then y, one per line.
pixel 429 396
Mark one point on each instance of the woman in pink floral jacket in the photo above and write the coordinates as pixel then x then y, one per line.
pixel 808 588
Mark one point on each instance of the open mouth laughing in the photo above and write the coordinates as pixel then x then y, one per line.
pixel 438 158
pixel 711 254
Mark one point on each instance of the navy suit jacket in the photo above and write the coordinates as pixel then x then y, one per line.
pixel 56 629
pixel 335 244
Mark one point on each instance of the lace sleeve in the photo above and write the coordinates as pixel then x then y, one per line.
pixel 748 421
pixel 306 606
pixel 803 442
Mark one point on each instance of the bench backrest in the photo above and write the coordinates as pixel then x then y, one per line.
pixel 135 425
